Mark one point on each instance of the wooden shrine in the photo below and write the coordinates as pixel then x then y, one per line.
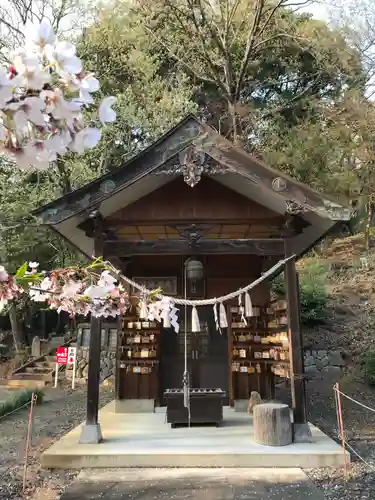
pixel 194 195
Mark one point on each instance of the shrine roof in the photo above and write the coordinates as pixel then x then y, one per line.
pixel 192 149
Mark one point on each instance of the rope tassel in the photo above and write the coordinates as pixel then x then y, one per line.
pixel 195 325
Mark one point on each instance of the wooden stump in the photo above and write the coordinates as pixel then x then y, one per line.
pixel 272 424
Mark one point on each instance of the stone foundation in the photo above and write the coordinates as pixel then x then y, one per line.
pixel 321 362
pixel 135 406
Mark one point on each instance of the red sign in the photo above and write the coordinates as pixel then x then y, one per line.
pixel 62 355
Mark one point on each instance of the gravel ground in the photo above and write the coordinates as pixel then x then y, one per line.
pixel 62 411
pixel 359 425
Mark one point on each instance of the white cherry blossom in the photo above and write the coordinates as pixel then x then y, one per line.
pixel 58 143
pixel 96 292
pixel 63 57
pixel 107 280
pixel 71 288
pixel 106 113
pixel 3 274
pixel 29 69
pixel 89 84
pixel 34 154
pixel 38 120
pixel 33 266
pixel 30 109
pixel 43 36
pixel 85 139
pixel 58 106
pixel 6 88
pixel 3 133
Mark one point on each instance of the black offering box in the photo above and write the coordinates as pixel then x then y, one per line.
pixel 206 406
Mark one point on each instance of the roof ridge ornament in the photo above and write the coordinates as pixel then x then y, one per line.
pixel 192 164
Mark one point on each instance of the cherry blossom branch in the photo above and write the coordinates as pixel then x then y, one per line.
pixel 75 290
pixel 43 97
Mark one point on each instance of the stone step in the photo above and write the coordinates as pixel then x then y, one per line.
pixel 38 370
pixel 42 364
pixel 33 376
pixel 28 384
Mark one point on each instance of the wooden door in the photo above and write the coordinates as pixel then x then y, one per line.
pixel 212 353
pixel 207 354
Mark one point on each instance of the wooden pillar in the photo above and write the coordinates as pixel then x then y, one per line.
pixel 91 431
pixel 301 430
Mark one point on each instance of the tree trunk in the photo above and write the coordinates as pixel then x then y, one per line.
pixel 368 224
pixel 17 330
pixel 233 121
pixel 272 424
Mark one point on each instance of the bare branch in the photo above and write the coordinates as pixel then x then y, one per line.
pixel 249 45
pixel 18 15
pixel 188 67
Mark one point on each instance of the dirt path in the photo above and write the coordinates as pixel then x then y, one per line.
pixel 193 484
pixel 62 411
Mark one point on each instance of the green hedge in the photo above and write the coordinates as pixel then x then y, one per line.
pixel 18 400
pixel 313 293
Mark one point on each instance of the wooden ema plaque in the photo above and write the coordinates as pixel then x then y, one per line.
pixel 258 350
pixel 138 360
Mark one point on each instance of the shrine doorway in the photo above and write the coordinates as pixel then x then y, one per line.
pixel 207 354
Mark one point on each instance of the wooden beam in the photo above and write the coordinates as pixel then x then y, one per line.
pixel 91 432
pixel 116 223
pixel 302 431
pixel 205 246
pixel 310 237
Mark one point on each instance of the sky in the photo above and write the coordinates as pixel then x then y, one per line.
pixel 319 11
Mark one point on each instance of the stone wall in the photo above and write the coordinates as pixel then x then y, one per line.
pixel 107 365
pixel 322 362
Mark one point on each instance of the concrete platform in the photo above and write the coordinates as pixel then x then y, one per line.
pixel 146 440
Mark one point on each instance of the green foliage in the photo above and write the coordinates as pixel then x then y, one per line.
pixel 313 293
pixel 369 367
pixel 19 400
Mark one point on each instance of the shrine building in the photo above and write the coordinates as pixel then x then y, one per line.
pixel 199 218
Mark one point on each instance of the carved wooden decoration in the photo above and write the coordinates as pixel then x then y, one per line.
pixel 192 164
